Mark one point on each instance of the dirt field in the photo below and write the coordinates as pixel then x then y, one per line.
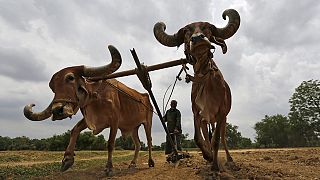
pixel 249 164
pixel 302 163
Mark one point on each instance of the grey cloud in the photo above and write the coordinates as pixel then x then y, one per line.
pixel 19 13
pixel 275 49
pixel 21 65
pixel 9 108
pixel 282 24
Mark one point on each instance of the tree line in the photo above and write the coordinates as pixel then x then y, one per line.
pixel 299 129
pixel 87 141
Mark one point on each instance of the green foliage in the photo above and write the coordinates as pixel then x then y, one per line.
pixel 99 143
pixel 124 142
pixel 5 143
pixel 85 141
pixel 187 143
pixel 304 113
pixel 59 142
pixel 301 127
pixel 163 146
pixel 156 148
pixel 40 144
pixel 234 138
pixel 20 143
pixel 245 143
pixel 273 131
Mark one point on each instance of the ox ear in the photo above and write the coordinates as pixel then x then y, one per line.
pixel 220 42
pixel 82 93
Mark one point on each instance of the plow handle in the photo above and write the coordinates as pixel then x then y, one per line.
pixel 143 76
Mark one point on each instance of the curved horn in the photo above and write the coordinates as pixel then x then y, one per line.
pixel 28 113
pixel 106 69
pixel 168 40
pixel 231 28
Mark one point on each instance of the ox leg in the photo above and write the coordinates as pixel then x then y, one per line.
pixel 215 144
pixel 223 139
pixel 68 159
pixel 137 146
pixel 111 140
pixel 205 133
pixel 206 151
pixel 147 128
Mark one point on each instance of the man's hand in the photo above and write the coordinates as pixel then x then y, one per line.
pixel 189 78
pixel 175 131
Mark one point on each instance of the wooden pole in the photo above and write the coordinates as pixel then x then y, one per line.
pixel 149 68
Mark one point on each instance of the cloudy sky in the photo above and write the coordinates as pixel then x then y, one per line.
pixel 275 49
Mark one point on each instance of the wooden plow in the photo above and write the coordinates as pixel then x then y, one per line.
pixel 142 71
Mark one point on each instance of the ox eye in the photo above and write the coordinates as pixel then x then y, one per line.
pixel 70 77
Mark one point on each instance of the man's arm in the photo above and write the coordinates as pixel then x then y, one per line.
pixel 178 121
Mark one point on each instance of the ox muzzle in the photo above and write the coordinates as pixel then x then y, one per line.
pixel 199 40
pixel 62 110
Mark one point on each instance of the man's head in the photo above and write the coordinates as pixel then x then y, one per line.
pixel 173 104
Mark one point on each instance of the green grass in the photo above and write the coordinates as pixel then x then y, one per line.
pixel 49 168
pixel 25 172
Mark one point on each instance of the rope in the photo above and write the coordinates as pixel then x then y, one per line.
pixel 131 97
pixel 164 96
pixel 174 84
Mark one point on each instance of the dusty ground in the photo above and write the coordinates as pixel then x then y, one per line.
pixel 302 163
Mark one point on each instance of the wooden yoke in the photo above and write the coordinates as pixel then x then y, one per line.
pixel 148 69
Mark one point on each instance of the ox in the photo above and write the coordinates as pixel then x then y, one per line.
pixel 103 104
pixel 210 95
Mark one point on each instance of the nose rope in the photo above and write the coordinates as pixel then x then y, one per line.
pixel 210 65
pixel 64 100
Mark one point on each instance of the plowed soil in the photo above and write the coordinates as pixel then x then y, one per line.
pixel 302 163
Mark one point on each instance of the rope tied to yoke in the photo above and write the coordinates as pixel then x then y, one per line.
pixel 131 97
pixel 183 68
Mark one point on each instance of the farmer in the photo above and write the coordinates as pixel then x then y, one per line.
pixel 173 119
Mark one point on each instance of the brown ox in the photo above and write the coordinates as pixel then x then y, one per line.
pixel 104 104
pixel 210 95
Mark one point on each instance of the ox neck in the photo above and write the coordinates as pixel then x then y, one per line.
pixel 204 65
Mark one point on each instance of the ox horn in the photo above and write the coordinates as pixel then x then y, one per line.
pixel 28 113
pixel 165 39
pixel 106 69
pixel 231 28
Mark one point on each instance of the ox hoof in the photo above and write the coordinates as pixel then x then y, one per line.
pixel 207 157
pixel 109 173
pixel 229 159
pixel 132 166
pixel 67 162
pixel 232 166
pixel 151 163
pixel 215 167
